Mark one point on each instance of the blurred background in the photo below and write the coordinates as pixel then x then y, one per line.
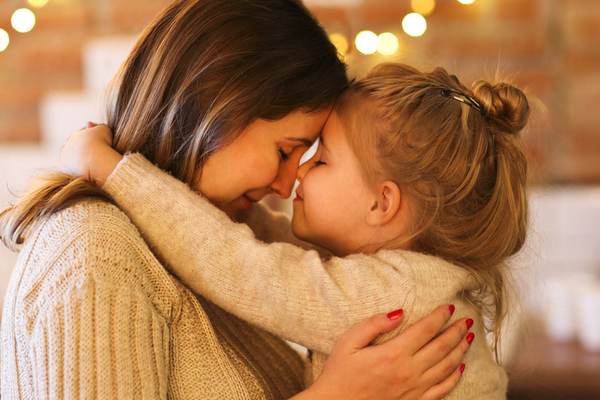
pixel 56 56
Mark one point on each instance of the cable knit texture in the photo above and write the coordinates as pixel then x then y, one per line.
pixel 90 313
pixel 259 272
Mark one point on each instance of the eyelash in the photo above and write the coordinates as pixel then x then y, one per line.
pixel 284 156
pixel 319 163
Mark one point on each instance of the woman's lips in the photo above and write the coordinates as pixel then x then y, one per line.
pixel 247 202
pixel 297 198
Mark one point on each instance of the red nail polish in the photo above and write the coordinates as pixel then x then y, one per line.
pixel 452 308
pixel 470 337
pixel 462 368
pixel 395 315
pixel 469 323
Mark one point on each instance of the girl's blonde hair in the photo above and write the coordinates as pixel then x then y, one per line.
pixel 459 166
pixel 199 74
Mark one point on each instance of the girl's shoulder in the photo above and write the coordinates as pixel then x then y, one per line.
pixel 428 270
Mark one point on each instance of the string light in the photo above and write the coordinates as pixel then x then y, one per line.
pixel 414 24
pixel 388 43
pixel 23 20
pixel 423 7
pixel 367 42
pixel 3 40
pixel 37 3
pixel 340 42
pixel 466 1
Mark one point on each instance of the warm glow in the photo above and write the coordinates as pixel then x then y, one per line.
pixel 466 1
pixel 340 42
pixel 388 43
pixel 3 40
pixel 367 42
pixel 23 20
pixel 423 7
pixel 37 3
pixel 414 24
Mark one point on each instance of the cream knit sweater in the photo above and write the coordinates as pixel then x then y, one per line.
pixel 91 314
pixel 286 289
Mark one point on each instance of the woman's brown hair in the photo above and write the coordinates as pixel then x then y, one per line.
pixel 200 73
pixel 459 165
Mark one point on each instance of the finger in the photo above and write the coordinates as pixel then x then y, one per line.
pixel 363 333
pixel 440 390
pixel 437 349
pixel 444 368
pixel 420 333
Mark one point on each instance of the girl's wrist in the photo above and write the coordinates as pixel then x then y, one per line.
pixel 102 164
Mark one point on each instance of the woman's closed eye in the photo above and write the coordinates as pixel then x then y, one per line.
pixel 317 163
pixel 284 156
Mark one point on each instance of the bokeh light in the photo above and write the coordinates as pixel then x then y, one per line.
pixel 367 42
pixel 37 3
pixel 388 43
pixel 423 7
pixel 340 42
pixel 3 40
pixel 466 1
pixel 23 20
pixel 414 24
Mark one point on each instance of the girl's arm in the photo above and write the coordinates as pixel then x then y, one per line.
pixel 280 287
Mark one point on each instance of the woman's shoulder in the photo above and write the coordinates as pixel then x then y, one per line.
pixel 92 240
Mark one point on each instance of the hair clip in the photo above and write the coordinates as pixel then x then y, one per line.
pixel 463 98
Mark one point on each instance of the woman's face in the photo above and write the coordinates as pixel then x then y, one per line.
pixel 262 160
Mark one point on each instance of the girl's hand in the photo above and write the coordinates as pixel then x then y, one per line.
pixel 409 366
pixel 88 153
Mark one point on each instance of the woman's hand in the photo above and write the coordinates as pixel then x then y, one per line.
pixel 88 153
pixel 409 366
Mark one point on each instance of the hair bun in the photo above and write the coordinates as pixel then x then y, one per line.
pixel 505 105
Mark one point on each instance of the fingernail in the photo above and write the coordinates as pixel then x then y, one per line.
pixel 469 323
pixel 470 337
pixel 395 315
pixel 462 368
pixel 452 308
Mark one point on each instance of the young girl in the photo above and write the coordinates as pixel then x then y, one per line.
pixel 418 191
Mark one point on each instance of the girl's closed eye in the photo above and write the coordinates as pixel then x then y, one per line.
pixel 317 163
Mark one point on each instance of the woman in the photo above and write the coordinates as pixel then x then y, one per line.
pixel 91 312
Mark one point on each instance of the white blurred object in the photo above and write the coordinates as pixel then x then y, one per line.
pixel 561 313
pixel 102 58
pixel 587 305
pixel 62 113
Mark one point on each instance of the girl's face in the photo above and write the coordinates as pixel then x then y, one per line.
pixel 332 199
pixel 262 160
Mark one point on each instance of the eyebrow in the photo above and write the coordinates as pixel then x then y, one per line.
pixel 322 142
pixel 303 141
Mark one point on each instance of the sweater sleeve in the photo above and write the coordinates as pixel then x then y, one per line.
pixel 99 342
pixel 280 287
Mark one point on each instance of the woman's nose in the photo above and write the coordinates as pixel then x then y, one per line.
pixel 283 184
pixel 302 170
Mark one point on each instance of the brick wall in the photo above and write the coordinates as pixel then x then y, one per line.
pixel 552 47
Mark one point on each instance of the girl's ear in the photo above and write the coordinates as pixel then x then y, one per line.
pixel 385 205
